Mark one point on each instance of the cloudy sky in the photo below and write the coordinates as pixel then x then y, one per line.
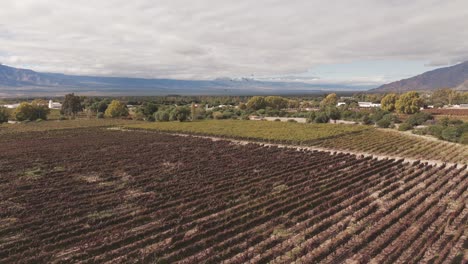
pixel 360 42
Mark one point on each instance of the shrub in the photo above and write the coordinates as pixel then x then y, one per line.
pixel 162 116
pixel 405 127
pixel 33 111
pixel 366 120
pixel 383 123
pixel 321 117
pixel 116 109
pixel 452 134
pixel 292 121
pixel 419 118
pixel 100 115
pixel 4 115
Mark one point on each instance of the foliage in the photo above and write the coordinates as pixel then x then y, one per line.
pixel 405 127
pixel 162 116
pixel 330 100
pixel 116 109
pixel 419 118
pixel 256 103
pixel 100 106
pixel 445 96
pixel 266 130
pixel 100 115
pixel 383 123
pixel 409 103
pixel 388 102
pixel 71 105
pixel 276 102
pixel 452 134
pixel 147 109
pixel 31 111
pixel 4 114
pixel 181 113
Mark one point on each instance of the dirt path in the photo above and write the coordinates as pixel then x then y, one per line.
pixel 297 147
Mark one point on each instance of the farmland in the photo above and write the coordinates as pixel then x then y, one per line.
pixel 351 138
pixel 285 132
pixel 62 124
pixel 96 195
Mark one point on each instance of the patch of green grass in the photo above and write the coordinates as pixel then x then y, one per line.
pixel 33 173
pixel 255 130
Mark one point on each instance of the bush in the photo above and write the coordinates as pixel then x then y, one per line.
pixel 62 117
pixel 405 127
pixel 452 134
pixel 116 109
pixel 366 120
pixel 4 115
pixel 100 115
pixel 292 121
pixel 419 118
pixel 384 123
pixel 321 117
pixel 162 116
pixel 30 112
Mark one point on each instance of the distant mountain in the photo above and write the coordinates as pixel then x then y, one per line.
pixel 16 82
pixel 449 77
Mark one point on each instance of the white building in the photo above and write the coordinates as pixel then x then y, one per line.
pixel 11 106
pixel 368 104
pixel 54 105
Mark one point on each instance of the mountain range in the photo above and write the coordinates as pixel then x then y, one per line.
pixel 16 82
pixel 455 76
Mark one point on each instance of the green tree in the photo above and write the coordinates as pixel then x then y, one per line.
pixel 71 105
pixel 181 113
pixel 388 102
pixel 444 96
pixel 147 109
pixel 333 112
pixel 116 109
pixel 257 103
pixel 31 111
pixel 99 107
pixel 330 100
pixel 276 102
pixel 162 116
pixel 409 103
pixel 4 114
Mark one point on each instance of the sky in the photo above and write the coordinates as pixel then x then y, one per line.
pixel 359 42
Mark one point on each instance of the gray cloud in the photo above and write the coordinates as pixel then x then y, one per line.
pixel 206 39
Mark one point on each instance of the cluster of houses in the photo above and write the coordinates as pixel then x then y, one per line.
pixel 51 105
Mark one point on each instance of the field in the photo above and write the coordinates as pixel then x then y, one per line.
pixel 284 132
pixel 448 112
pixel 62 124
pixel 96 195
pixel 351 138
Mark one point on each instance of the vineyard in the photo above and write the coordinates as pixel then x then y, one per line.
pixel 94 195
pixel 395 143
pixel 359 139
pixel 283 132
pixel 449 112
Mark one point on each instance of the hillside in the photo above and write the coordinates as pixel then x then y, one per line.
pixel 452 77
